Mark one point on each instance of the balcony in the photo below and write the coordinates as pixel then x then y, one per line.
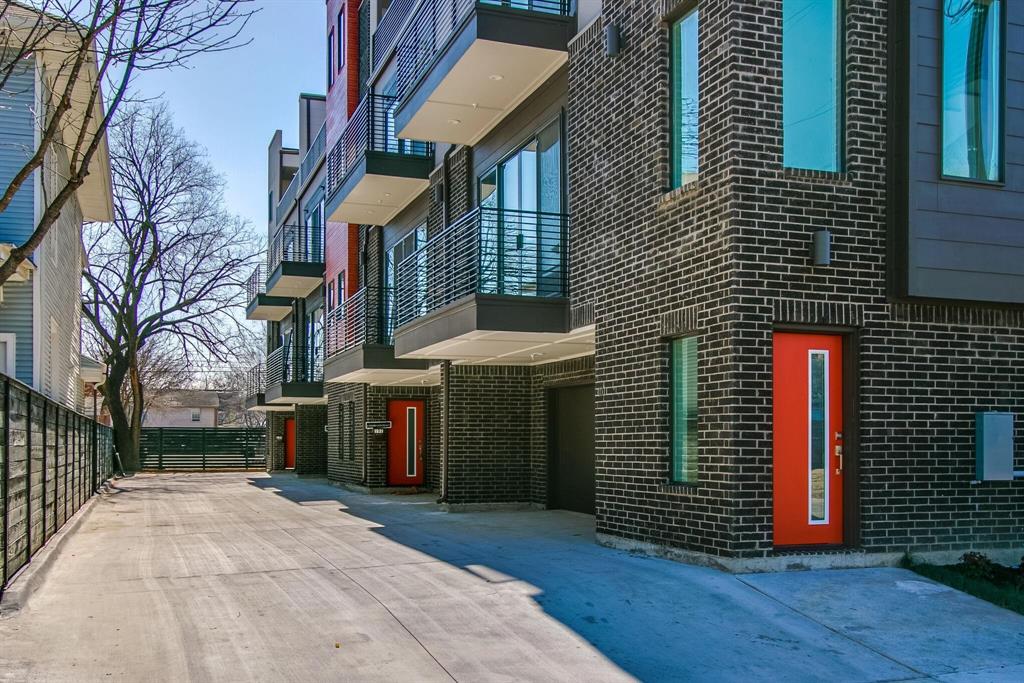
pixel 294 374
pixel 462 66
pixel 259 304
pixel 296 261
pixel 491 289
pixel 255 391
pixel 360 343
pixel 371 174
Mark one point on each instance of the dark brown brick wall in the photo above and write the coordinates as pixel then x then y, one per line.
pixel 310 439
pixel 726 258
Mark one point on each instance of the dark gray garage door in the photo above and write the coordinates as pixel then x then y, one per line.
pixel 572 448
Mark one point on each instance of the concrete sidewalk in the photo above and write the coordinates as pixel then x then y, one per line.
pixel 227 577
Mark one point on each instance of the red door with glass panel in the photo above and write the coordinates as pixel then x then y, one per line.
pixel 289 443
pixel 405 443
pixel 808 439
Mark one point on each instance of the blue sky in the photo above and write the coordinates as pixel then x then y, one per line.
pixel 232 102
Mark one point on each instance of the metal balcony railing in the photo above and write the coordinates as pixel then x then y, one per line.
pixel 388 27
pixel 367 317
pixel 370 129
pixel 435 21
pixel 300 243
pixel 256 284
pixel 293 363
pixel 487 251
pixel 287 199
pixel 313 154
pixel 255 381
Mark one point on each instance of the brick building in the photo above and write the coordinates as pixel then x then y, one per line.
pixel 736 278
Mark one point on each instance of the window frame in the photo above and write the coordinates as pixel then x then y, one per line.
pixel 196 414
pixel 1001 181
pixel 842 141
pixel 672 479
pixel 330 58
pixel 681 13
pixel 342 25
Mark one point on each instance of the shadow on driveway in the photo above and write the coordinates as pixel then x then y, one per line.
pixel 467 583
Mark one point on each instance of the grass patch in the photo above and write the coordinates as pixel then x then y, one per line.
pixel 979 576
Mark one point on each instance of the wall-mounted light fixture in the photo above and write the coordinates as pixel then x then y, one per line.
pixel 612 40
pixel 821 248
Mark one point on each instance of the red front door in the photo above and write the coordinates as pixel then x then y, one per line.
pixel 405 443
pixel 808 439
pixel 289 443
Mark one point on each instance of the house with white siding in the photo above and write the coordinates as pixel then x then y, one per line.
pixel 40 314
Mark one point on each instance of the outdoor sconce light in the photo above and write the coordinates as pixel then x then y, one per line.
pixel 821 248
pixel 612 40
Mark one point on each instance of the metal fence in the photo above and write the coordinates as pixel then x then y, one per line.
pixel 53 460
pixel 218 448
pixel 256 283
pixel 488 251
pixel 255 383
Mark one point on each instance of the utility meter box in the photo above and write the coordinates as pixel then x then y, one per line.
pixel 993 450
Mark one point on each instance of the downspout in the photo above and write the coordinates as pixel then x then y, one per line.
pixel 366 438
pixel 446 371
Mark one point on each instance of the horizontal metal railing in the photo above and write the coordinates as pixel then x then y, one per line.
pixel 435 21
pixel 256 283
pixel 370 128
pixel 300 243
pixel 274 372
pixel 367 317
pixel 487 251
pixel 388 27
pixel 255 383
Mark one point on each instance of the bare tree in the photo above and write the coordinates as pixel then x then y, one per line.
pixel 89 52
pixel 167 273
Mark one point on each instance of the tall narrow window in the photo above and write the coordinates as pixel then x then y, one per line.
pixel 330 59
pixel 812 84
pixel 685 99
pixel 684 410
pixel 972 89
pixel 341 38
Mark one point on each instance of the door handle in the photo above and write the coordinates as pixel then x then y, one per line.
pixel 839 458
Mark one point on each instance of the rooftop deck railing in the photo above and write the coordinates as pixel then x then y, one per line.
pixel 487 251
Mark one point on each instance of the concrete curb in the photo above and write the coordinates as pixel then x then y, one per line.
pixel 31 576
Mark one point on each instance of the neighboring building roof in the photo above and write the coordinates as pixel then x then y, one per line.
pixel 91 370
pixel 188 398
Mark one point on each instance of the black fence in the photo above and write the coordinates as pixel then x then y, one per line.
pixel 201 449
pixel 53 460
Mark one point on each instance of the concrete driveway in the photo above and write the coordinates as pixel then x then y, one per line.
pixel 230 577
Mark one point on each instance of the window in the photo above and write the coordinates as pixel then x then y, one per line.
pixel 683 368
pixel 972 90
pixel 685 99
pixel 330 59
pixel 341 37
pixel 330 296
pixel 521 250
pixel 812 84
pixel 196 414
